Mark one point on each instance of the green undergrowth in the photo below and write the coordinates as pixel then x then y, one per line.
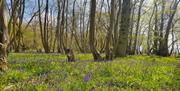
pixel 51 72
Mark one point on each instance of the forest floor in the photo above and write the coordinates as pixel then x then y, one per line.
pixel 51 72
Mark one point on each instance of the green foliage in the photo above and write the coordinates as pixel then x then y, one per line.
pixel 42 72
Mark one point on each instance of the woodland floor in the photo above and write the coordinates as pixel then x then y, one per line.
pixel 51 72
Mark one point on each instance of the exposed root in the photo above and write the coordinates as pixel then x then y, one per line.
pixel 3 64
pixel 3 57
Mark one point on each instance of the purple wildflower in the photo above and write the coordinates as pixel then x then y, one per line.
pixel 58 80
pixel 57 89
pixel 87 77
pixel 108 83
pixel 35 82
pixel 93 89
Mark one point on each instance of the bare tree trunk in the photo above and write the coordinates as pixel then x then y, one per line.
pixel 70 55
pixel 58 27
pixel 116 27
pixel 149 33
pixel 19 35
pixel 109 53
pixel 155 40
pixel 129 50
pixel 44 28
pixel 69 51
pixel 66 34
pixel 137 27
pixel 46 31
pixel 164 51
pixel 96 54
pixel 12 24
pixel 74 28
pixel 84 47
pixel 161 27
pixel 35 44
pixel 174 41
pixel 3 36
pixel 124 29
pixel 61 33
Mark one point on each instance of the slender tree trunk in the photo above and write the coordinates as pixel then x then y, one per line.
pixel 19 36
pixel 61 34
pixel 12 24
pixel 137 27
pixel 116 27
pixel 44 28
pixel 155 45
pixel 165 51
pixel 35 38
pixel 96 54
pixel 58 27
pixel 109 53
pixel 149 33
pixel 84 30
pixel 46 24
pixel 129 50
pixel 3 36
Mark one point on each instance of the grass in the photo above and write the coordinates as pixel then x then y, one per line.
pixel 51 72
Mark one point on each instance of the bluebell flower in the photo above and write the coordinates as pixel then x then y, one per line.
pixel 87 77
pixel 108 83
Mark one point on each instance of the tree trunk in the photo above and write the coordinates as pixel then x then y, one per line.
pixel 149 33
pixel 3 36
pixel 124 29
pixel 44 29
pixel 161 27
pixel 129 50
pixel 96 54
pixel 164 50
pixel 109 53
pixel 155 39
pixel 137 27
pixel 58 27
pixel 70 55
pixel 116 27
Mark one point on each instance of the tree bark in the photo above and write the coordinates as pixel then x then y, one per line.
pixel 116 27
pixel 124 29
pixel 44 29
pixel 129 50
pixel 96 54
pixel 109 53
pixel 149 33
pixel 165 49
pixel 137 27
pixel 155 39
pixel 3 36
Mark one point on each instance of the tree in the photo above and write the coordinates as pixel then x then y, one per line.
pixel 149 32
pixel 59 47
pixel 137 27
pixel 164 50
pixel 124 29
pixel 109 53
pixel 44 28
pixel 156 29
pixel 130 41
pixel 96 54
pixel 116 26
pixel 16 24
pixel 3 36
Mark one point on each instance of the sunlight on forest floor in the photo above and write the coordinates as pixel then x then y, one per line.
pixel 51 72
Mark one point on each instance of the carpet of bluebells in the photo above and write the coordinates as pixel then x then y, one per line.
pixel 51 72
